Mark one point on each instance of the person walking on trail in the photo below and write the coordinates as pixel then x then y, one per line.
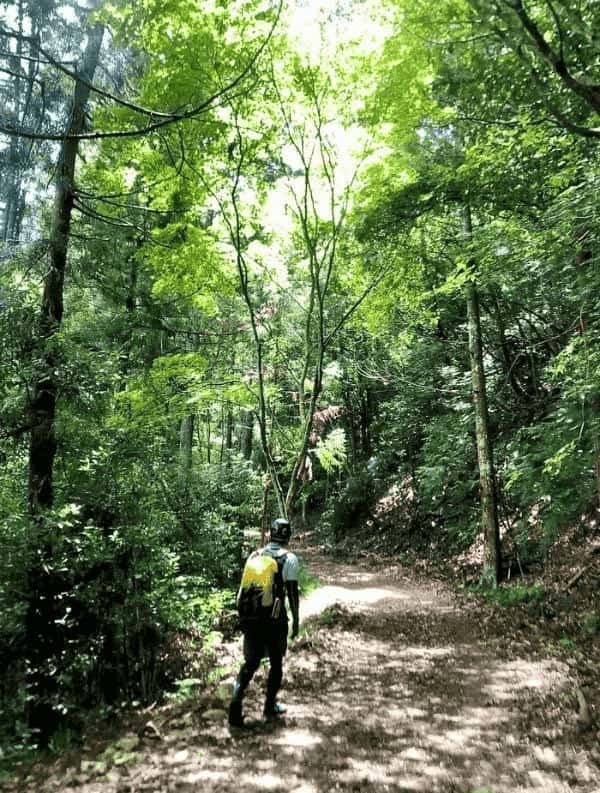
pixel 270 575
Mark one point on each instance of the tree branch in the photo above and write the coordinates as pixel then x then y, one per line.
pixel 590 93
pixel 348 313
pixel 164 119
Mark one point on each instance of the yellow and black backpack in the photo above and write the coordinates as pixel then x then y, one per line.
pixel 261 592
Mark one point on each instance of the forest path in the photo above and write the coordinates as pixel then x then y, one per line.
pixel 398 685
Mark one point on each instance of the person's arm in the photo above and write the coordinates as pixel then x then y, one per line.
pixel 294 601
pixel 291 573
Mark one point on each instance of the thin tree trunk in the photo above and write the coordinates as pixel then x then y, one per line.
pixel 489 508
pixel 13 187
pixel 223 431
pixel 365 415
pixel 19 151
pixel 208 436
pixel 236 238
pixel 229 428
pixel 264 522
pixel 296 483
pixel 246 434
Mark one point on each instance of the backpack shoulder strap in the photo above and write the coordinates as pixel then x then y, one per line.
pixel 280 582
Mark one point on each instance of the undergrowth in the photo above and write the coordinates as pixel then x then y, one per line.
pixel 509 595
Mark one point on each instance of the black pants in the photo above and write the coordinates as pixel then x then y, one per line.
pixel 262 640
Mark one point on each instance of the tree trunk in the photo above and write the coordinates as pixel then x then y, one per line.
pixel 296 483
pixel 12 198
pixel 365 417
pixel 43 632
pixel 186 440
pixel 264 523
pixel 12 162
pixel 19 153
pixel 352 432
pixel 229 428
pixel 489 508
pixel 42 406
pixel 208 428
pixel 223 432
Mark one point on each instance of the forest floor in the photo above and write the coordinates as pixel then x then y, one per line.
pixel 397 684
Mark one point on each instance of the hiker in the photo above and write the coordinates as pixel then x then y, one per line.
pixel 269 575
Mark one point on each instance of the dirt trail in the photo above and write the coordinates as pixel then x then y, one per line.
pixel 396 687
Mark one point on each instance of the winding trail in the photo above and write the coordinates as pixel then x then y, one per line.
pixel 398 685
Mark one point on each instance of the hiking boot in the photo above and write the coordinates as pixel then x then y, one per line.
pixel 273 710
pixel 235 717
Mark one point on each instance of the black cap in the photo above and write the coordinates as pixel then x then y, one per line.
pixel 281 531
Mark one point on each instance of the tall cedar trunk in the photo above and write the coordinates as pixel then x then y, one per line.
pixel 489 508
pixel 42 406
pixel 44 634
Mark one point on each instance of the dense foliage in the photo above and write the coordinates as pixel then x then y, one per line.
pixel 282 266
